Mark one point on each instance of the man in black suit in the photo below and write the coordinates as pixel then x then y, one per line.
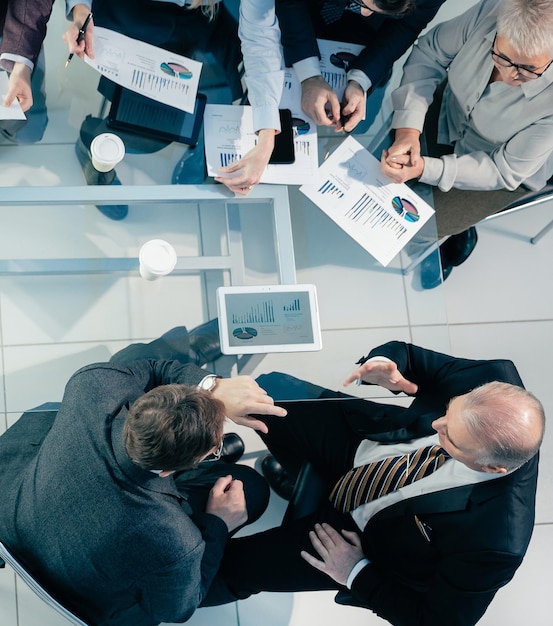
pixel 433 551
pixel 109 503
pixel 387 28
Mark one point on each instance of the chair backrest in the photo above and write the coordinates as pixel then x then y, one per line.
pixel 28 579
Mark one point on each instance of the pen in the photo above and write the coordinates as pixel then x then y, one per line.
pixel 80 37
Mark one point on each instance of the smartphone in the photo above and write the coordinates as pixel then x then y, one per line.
pixel 283 152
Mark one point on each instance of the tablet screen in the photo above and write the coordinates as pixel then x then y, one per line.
pixel 275 318
pixel 134 112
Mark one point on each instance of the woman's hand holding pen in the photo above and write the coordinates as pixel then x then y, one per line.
pixel 76 44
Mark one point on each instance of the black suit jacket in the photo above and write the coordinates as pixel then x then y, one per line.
pixel 477 534
pixel 385 39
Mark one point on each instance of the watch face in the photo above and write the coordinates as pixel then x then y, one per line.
pixel 208 383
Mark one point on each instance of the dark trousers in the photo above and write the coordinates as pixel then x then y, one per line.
pixel 319 432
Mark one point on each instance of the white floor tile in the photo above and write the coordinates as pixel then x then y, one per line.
pixel 8 610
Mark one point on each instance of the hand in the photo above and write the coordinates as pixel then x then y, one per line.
pixel 353 106
pixel 19 86
pixel 320 102
pixel 241 396
pixel 227 501
pixel 80 13
pixel 339 552
pixel 403 161
pixel 382 373
pixel 250 167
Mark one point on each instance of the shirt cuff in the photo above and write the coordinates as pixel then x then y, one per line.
pixel 356 569
pixel 360 77
pixel 307 68
pixel 71 4
pixel 7 61
pixel 433 171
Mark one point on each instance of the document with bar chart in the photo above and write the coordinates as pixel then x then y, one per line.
pixel 380 215
pixel 229 135
pixel 153 72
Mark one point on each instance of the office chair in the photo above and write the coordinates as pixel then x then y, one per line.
pixel 29 580
pixel 531 199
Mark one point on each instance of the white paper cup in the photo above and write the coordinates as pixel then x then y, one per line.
pixel 106 151
pixel 157 258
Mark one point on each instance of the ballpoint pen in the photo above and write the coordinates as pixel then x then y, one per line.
pixel 80 37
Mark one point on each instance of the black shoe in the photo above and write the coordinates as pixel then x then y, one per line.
pixel 205 345
pixel 233 449
pixel 94 177
pixel 434 271
pixel 457 248
pixel 277 477
pixel 172 345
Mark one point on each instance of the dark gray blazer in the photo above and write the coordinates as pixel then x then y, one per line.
pixel 119 544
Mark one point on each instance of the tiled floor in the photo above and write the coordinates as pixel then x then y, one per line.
pixel 496 305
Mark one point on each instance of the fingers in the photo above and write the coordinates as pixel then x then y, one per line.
pixel 222 484
pixel 352 537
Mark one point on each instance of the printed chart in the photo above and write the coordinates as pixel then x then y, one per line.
pixel 380 215
pixel 166 77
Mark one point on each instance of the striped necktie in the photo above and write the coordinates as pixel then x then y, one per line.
pixel 368 482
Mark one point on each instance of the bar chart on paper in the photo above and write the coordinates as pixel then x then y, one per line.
pixel 380 215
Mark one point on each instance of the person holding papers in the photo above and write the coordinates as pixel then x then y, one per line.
pixel 23 29
pixel 180 26
pixel 479 87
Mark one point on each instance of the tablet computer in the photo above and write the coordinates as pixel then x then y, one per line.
pixel 268 318
pixel 135 113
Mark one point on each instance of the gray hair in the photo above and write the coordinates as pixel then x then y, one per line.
pixel 527 25
pixel 507 420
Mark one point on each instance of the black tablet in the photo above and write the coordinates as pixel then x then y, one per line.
pixel 135 113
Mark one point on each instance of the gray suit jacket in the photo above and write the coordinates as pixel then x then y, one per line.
pixel 119 545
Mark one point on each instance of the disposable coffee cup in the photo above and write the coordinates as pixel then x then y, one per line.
pixel 106 151
pixel 157 258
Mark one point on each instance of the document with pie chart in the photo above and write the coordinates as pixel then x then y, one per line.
pixel 379 215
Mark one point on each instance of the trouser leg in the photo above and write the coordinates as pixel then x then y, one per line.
pixel 196 484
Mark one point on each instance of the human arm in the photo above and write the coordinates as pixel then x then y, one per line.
pixel 260 38
pixel 24 31
pixel 339 553
pixel 227 501
pixel 79 12
pixel 242 396
pixel 249 169
pixel 19 86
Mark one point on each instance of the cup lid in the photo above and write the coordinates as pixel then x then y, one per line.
pixel 108 147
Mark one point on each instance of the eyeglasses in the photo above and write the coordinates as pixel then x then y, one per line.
pixel 521 70
pixel 362 5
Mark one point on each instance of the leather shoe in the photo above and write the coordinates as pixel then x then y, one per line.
pixel 457 248
pixel 434 271
pixel 94 177
pixel 205 345
pixel 233 448
pixel 277 477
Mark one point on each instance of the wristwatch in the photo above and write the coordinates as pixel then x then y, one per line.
pixel 208 383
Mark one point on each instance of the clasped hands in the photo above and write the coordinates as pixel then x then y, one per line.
pixel 403 160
